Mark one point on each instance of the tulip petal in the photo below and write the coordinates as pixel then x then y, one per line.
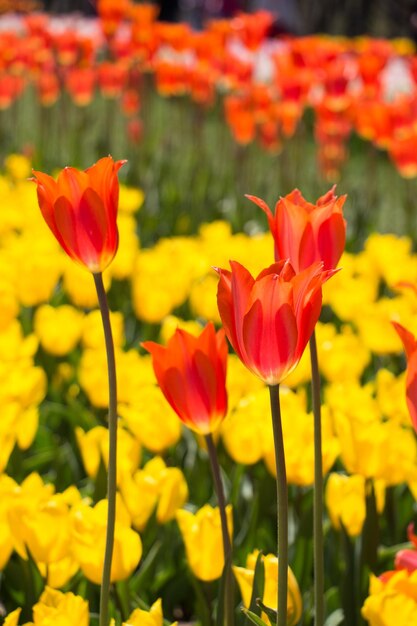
pixel 411 388
pixel 71 184
pixel 265 208
pixel 85 232
pixel 191 373
pixel 307 247
pixel 66 227
pixel 406 559
pixel 331 239
pixel 270 331
pixel 329 196
pixel 103 179
pixel 47 192
pixel 290 223
pixel 232 298
pixel 407 338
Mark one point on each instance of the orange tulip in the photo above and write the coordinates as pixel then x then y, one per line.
pixel 410 347
pixel 402 151
pixel 80 83
pixel 112 78
pixel 269 320
pixel 191 372
pixel 80 208
pixel 306 233
pixel 407 559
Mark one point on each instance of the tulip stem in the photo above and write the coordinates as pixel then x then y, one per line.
pixel 282 506
pixel 318 488
pixel 111 470
pixel 227 545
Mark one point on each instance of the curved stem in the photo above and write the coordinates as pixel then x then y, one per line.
pixel 227 545
pixel 318 488
pixel 282 506
pixel 111 470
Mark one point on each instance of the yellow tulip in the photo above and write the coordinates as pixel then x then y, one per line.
pixel 7 490
pixel 61 609
pixel 43 529
pixel 392 601
pixel 202 536
pixel 92 331
pixel 155 486
pixel 89 536
pixel 78 285
pixel 171 323
pixel 55 607
pixel 153 617
pixel 17 166
pixel 245 577
pixel 58 328
pixel 130 199
pixel 12 619
pixel 94 446
pixel 124 261
pixel 345 501
pixel 151 420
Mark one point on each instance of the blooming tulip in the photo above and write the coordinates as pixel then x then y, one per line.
pixel 89 536
pixel 80 208
pixel 269 320
pixel 55 607
pixel 305 232
pixel 191 372
pixel 245 578
pixel 392 599
pixel 410 346
pixel 202 536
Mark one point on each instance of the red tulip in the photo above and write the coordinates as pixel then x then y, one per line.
pixel 269 320
pixel 410 346
pixel 305 233
pixel 80 208
pixel 407 559
pixel 191 372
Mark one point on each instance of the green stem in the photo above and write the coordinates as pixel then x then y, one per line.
pixel 227 545
pixel 111 470
pixel 282 506
pixel 318 488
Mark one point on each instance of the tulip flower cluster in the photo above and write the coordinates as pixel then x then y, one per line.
pixel 268 83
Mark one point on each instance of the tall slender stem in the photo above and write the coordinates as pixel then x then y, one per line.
pixel 318 488
pixel 282 506
pixel 111 470
pixel 227 545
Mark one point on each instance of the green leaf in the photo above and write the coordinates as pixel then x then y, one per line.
pixel 258 584
pixel 272 613
pixel 254 618
pixel 147 569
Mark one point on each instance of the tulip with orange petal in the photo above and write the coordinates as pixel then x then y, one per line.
pixel 80 208
pixel 269 320
pixel 410 347
pixel 304 232
pixel 191 372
